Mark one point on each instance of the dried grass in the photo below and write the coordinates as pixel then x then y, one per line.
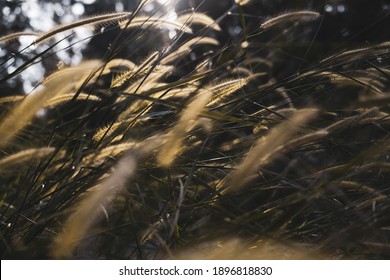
pixel 206 139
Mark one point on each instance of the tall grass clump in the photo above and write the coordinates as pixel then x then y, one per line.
pixel 183 141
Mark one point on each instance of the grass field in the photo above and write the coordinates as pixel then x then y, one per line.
pixel 183 142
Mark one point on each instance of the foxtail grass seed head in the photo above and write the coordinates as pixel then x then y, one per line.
pixel 23 157
pixel 154 22
pixel 234 248
pixel 242 2
pixel 16 35
pixel 136 72
pixel 88 210
pixel 264 150
pixel 58 100
pixel 110 151
pixel 188 120
pixel 224 89
pixel 199 18
pixel 185 49
pixel 89 21
pixel 23 112
pixel 288 17
pixel 10 99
